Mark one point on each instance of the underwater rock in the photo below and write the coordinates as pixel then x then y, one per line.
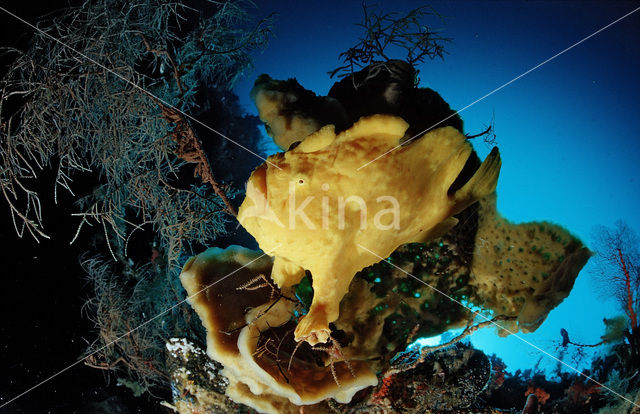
pixel 291 113
pixel 196 382
pixel 333 239
pixel 449 379
pixel 390 88
pixel 382 311
pixel 250 327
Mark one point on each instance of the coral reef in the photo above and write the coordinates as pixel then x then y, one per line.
pixel 110 151
pixel 319 167
pixel 449 379
pixel 411 246
pixel 383 311
pixel 315 324
pixel 399 299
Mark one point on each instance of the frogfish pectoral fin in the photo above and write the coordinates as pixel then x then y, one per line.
pixel 313 328
pixel 286 273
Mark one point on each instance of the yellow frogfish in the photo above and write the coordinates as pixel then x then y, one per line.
pixel 325 207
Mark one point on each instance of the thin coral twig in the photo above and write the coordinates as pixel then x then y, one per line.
pixel 468 330
pixel 190 150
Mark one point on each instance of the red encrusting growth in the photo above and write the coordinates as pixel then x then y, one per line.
pixel 383 391
pixel 580 393
pixel 541 394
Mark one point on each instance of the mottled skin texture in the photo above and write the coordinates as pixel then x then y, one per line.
pixel 291 112
pixel 292 205
pixel 523 270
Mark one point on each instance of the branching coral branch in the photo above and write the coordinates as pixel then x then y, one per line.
pixel 174 67
pixel 489 134
pixel 566 341
pixel 386 34
pixel 630 311
pixel 116 310
pixel 468 330
pixel 618 259
pixel 58 111
pixel 190 149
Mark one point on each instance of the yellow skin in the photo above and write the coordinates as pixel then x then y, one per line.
pixel 292 205
pixel 279 105
pixel 284 130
